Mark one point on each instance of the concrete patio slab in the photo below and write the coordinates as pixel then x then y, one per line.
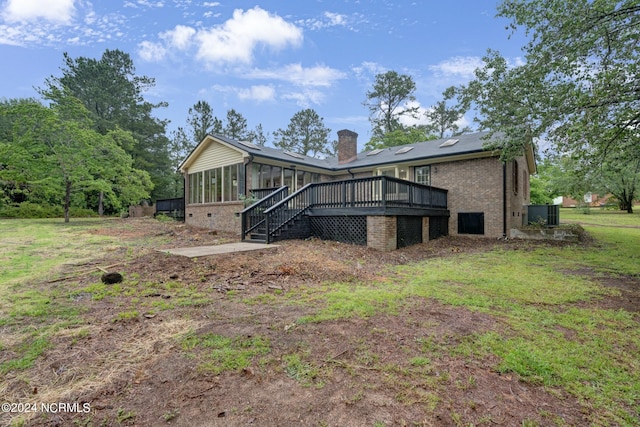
pixel 199 251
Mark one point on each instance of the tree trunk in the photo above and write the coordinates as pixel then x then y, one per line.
pixel 67 201
pixel 100 204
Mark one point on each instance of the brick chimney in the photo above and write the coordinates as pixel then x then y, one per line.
pixel 347 146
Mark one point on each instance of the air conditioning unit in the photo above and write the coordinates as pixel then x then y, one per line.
pixel 548 215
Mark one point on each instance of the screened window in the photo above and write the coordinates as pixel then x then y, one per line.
pixel 266 176
pixel 213 185
pixel 195 187
pixel 288 178
pixel 276 176
pixel 223 184
pixel 423 175
pixel 300 179
pixel 230 183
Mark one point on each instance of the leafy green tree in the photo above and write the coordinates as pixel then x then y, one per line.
pixel 619 175
pixel 586 54
pixel 542 188
pixel 389 100
pixel 410 135
pixel 507 103
pixel 113 94
pixel 577 88
pixel 56 151
pixel 306 134
pixel 115 180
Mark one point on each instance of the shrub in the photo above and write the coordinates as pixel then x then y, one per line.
pixel 82 213
pixel 33 210
pixel 30 210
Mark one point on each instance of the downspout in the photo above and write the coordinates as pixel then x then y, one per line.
pixel 504 200
pixel 351 173
pixel 246 181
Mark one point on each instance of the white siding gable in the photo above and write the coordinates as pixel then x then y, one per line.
pixel 214 156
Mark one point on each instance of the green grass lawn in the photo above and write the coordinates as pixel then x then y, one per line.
pixel 552 337
pixel 33 248
pixel 552 332
pixel 601 216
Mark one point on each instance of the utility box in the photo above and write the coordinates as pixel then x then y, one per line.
pixel 548 215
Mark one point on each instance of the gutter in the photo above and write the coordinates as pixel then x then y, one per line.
pixel 504 200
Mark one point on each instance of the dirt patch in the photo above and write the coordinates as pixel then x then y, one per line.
pixel 390 368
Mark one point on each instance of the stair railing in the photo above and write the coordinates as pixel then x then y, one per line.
pixel 287 210
pixel 253 217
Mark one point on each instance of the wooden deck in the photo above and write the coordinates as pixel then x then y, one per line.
pixel 280 215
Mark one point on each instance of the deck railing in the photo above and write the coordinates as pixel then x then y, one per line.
pixel 171 207
pixel 253 217
pixel 261 193
pixel 377 191
pixel 370 192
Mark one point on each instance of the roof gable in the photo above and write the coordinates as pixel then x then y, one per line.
pixel 196 154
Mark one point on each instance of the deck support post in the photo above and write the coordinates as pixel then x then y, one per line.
pixel 382 233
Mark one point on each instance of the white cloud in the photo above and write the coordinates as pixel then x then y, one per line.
pixel 295 73
pixel 72 22
pixel 151 52
pixel 259 93
pixel 459 66
pixel 368 69
pixel 411 121
pixel 335 18
pixel 517 62
pixel 147 3
pixel 9 35
pixel 57 11
pixel 236 39
pixel 143 3
pixel 180 37
pixel 328 19
pixel 305 98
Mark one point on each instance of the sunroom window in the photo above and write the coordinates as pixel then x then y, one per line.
pixel 221 184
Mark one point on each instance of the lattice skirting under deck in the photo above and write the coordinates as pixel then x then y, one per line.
pixel 346 229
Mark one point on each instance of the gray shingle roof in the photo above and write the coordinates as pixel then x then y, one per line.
pixel 466 144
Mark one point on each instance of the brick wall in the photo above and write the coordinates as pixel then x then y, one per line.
pixel 474 186
pixel 517 193
pixel 477 186
pixel 382 233
pixel 215 217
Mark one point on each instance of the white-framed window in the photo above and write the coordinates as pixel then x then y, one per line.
pixel 422 175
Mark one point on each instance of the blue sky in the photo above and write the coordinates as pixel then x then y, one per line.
pixel 267 59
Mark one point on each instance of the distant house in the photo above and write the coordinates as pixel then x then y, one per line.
pixel 589 199
pixel 385 198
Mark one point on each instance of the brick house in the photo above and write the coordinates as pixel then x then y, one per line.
pixel 589 199
pixel 386 198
